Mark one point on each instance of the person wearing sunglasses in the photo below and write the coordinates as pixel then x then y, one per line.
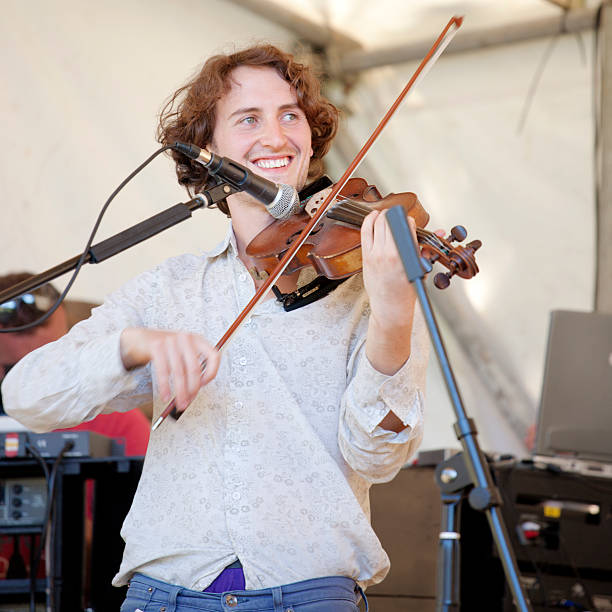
pixel 22 310
pixel 28 307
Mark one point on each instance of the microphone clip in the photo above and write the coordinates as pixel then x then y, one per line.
pixel 216 194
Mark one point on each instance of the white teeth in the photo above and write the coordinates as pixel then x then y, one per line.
pixel 272 163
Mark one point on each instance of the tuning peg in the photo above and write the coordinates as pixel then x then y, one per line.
pixel 442 280
pixel 458 234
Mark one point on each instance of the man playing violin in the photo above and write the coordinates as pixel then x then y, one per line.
pixel 256 498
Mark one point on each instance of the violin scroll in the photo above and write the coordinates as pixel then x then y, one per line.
pixel 458 259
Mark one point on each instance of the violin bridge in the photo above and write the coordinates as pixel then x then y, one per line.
pixel 313 204
pixel 257 275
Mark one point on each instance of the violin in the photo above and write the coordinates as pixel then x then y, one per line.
pixel 333 248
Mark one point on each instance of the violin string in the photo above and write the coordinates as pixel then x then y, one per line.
pixel 349 211
pixel 356 212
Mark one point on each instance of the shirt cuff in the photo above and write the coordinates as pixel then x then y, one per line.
pixel 376 394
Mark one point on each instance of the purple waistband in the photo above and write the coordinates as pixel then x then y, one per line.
pixel 230 579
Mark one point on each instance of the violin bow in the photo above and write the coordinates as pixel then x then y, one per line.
pixel 427 62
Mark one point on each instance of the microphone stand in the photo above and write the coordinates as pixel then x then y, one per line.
pixel 125 239
pixel 484 495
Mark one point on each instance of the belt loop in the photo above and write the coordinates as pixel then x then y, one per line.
pixel 362 593
pixel 172 597
pixel 277 598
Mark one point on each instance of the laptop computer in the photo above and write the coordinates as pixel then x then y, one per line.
pixel 575 417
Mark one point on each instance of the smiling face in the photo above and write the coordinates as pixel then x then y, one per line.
pixel 260 125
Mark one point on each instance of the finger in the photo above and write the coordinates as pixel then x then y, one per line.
pixel 367 230
pixel 412 225
pixel 386 236
pixel 213 360
pixel 161 369
pixel 177 370
pixel 380 226
pixel 383 239
pixel 377 251
pixel 192 363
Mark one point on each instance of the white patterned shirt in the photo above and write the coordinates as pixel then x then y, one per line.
pixel 272 462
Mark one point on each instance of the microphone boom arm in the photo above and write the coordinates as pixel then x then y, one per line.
pixel 124 240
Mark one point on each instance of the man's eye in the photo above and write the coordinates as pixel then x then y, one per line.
pixel 290 116
pixel 248 120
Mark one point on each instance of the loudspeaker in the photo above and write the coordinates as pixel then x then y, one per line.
pixel 406 518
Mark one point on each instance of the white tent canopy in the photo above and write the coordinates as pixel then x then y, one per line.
pixel 83 83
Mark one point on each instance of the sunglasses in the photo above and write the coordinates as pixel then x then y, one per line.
pixel 27 307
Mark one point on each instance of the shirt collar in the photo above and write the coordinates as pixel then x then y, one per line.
pixel 227 244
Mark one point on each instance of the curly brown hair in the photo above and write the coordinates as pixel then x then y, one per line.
pixel 190 114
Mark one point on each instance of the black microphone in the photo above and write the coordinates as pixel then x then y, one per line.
pixel 281 201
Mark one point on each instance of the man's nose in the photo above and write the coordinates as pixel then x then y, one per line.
pixel 273 135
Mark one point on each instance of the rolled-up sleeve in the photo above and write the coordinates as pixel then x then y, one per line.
pixel 376 453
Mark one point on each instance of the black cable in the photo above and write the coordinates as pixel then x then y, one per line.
pixel 83 257
pixel 33 573
pixel 51 479
pixel 35 555
pixel 574 566
pixel 50 553
pixel 43 464
pixel 510 508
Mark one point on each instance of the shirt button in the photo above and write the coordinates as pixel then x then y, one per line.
pixel 231 601
pixel 236 495
pixel 243 361
pixel 238 405
pixel 242 277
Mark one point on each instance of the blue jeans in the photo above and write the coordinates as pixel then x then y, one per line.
pixel 332 594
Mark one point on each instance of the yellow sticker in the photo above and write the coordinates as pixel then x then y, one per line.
pixel 552 510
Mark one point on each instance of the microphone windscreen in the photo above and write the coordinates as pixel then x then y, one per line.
pixel 285 204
